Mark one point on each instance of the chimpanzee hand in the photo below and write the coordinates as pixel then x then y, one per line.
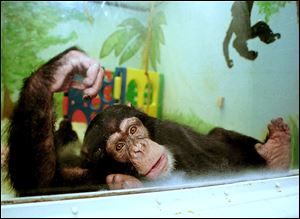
pixel 76 61
pixel 122 181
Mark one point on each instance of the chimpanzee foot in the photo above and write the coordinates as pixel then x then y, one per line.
pixel 122 181
pixel 277 35
pixel 272 38
pixel 277 149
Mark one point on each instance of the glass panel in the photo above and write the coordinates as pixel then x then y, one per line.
pixel 229 64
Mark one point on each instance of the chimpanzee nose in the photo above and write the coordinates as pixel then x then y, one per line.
pixel 135 146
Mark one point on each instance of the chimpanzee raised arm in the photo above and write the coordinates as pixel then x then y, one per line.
pixel 32 161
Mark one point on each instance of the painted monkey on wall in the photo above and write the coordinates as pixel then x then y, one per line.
pixel 122 146
pixel 241 26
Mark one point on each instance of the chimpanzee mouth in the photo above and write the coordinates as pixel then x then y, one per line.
pixel 156 170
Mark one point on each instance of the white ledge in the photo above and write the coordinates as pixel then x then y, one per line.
pixel 276 196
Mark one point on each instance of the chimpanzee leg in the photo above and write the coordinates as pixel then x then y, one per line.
pixel 241 142
pixel 275 151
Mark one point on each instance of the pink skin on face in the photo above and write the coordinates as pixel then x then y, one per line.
pixel 158 168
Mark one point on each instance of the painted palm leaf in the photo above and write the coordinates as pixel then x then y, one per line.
pixel 157 38
pixel 132 22
pixel 126 40
pixel 132 49
pixel 131 35
pixel 111 42
pixel 134 28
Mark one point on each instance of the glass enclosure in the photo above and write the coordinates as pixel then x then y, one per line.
pixel 195 63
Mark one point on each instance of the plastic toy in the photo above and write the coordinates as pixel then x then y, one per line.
pixel 120 87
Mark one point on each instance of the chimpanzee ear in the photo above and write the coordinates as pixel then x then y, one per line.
pixel 129 104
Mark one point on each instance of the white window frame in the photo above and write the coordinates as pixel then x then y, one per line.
pixel 267 195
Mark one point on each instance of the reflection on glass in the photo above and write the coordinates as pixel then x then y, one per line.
pixel 186 68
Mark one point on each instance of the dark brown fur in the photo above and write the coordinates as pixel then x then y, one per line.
pixel 219 151
pixel 32 162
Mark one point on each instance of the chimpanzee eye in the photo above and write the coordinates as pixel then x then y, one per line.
pixel 132 129
pixel 119 145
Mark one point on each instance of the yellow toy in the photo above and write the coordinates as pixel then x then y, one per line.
pixel 124 77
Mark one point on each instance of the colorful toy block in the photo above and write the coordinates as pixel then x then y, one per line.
pixel 120 87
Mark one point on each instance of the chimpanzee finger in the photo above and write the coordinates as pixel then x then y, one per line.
pixel 92 91
pixel 91 74
pixel 77 85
